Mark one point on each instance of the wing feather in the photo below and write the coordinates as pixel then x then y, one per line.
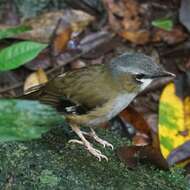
pixel 83 89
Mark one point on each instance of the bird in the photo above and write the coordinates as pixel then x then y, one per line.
pixel 95 94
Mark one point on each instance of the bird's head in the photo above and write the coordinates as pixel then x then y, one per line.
pixel 141 67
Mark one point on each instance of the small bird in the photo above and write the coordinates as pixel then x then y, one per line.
pixel 95 94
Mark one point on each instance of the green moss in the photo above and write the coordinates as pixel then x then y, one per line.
pixel 53 164
pixel 48 178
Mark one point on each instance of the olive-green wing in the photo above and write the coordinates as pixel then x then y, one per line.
pixel 85 88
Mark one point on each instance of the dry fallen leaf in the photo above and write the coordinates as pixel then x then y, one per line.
pixel 176 35
pixel 35 79
pixel 131 155
pixel 61 37
pixel 131 20
pixel 138 37
pixel 44 24
pixel 124 19
pixel 145 142
pixel 141 139
pixel 136 119
pixel 42 61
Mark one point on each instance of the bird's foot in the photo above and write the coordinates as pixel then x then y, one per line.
pixel 99 140
pixel 97 153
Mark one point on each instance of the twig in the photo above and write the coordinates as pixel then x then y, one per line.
pixel 18 85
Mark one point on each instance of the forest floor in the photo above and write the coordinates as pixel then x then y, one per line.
pixel 51 163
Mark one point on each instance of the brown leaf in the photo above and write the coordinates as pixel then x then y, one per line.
pixel 141 139
pixel 41 61
pixel 177 35
pixel 142 136
pixel 123 15
pixel 152 121
pixel 44 24
pixel 138 37
pixel 131 20
pixel 146 144
pixel 136 119
pixel 61 37
pixel 124 19
pixel 130 155
pixel 154 156
pixel 89 43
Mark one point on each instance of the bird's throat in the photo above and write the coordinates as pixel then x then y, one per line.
pixel 145 83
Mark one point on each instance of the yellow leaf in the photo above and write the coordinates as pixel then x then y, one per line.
pixel 174 120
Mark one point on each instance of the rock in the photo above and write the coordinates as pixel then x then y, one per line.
pixel 51 163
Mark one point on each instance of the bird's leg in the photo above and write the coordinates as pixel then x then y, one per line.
pixel 96 138
pixel 99 140
pixel 87 144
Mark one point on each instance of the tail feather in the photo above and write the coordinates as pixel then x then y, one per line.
pixel 41 95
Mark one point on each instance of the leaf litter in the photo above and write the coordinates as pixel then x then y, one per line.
pixel 73 42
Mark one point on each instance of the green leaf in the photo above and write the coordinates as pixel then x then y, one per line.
pixel 18 54
pixel 10 32
pixel 165 24
pixel 25 120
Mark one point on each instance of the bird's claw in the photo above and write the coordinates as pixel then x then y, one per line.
pixel 103 142
pixel 97 153
pixel 100 141
pixel 75 141
pixel 83 141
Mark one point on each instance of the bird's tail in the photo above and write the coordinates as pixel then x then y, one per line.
pixel 41 94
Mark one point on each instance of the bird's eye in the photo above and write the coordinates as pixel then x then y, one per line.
pixel 139 76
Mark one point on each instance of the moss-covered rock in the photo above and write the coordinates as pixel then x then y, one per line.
pixel 51 163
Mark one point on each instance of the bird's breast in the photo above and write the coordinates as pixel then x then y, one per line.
pixel 120 103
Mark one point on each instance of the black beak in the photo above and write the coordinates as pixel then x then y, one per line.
pixel 163 74
pixel 167 74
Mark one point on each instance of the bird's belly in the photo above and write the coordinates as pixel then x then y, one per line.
pixel 119 104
